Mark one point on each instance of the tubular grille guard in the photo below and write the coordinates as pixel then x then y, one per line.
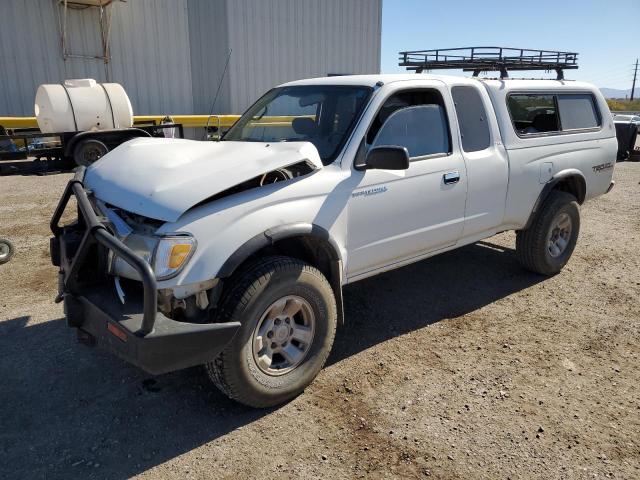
pixel 96 231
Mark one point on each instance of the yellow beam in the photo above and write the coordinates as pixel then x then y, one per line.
pixel 18 122
pixel 187 121
pixel 191 121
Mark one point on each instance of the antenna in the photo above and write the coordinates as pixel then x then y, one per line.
pixel 215 98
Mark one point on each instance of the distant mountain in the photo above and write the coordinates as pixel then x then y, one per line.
pixel 615 93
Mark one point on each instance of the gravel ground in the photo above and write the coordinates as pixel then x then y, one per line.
pixel 460 366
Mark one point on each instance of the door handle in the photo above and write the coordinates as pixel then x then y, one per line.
pixel 451 177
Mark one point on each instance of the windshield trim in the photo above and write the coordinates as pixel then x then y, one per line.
pixel 348 132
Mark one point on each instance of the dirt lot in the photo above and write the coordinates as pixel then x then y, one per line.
pixel 461 366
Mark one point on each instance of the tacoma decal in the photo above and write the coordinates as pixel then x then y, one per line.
pixel 370 191
pixel 602 166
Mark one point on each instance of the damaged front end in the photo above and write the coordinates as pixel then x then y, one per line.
pixel 133 320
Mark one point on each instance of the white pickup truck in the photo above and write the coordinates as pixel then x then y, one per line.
pixel 233 254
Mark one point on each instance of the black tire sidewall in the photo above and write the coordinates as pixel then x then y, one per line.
pixel 555 264
pixel 248 377
pixel 79 151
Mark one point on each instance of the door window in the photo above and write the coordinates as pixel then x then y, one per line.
pixel 422 129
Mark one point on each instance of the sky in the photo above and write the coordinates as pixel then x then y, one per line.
pixel 606 34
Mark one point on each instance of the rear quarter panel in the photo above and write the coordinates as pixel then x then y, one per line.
pixel 534 161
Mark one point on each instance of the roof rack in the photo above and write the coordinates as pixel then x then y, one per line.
pixel 484 59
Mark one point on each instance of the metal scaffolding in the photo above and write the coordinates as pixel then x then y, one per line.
pixel 104 24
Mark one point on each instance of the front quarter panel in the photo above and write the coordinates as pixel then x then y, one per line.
pixel 223 226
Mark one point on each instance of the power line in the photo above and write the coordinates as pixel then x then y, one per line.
pixel 635 74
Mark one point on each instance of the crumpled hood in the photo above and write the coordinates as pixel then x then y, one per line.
pixel 162 178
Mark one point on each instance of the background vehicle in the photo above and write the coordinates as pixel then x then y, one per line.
pixel 233 254
pixel 621 117
pixel 627 132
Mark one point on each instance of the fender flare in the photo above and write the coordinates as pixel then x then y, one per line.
pixel 551 184
pixel 102 135
pixel 271 236
pixel 281 232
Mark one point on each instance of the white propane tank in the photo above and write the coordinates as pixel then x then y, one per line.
pixel 83 104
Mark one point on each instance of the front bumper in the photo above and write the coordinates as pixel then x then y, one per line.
pixel 135 331
pixel 170 346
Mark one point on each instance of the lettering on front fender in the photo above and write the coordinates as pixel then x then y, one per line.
pixel 369 192
pixel 602 167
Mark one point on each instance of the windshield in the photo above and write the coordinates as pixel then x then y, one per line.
pixel 321 114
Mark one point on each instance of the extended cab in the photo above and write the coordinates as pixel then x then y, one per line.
pixel 233 254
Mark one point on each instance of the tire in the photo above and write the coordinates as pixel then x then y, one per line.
pixel 89 151
pixel 535 248
pixel 257 293
pixel 6 250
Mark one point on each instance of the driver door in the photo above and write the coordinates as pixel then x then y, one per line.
pixel 395 216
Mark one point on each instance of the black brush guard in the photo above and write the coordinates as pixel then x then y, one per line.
pixel 135 331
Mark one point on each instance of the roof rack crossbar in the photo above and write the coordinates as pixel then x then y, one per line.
pixel 484 59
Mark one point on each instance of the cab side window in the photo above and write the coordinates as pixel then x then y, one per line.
pixel 553 114
pixel 533 113
pixel 415 119
pixel 578 111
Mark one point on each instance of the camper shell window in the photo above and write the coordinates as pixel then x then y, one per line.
pixel 535 114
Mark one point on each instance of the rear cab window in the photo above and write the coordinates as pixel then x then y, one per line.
pixel 536 114
pixel 472 118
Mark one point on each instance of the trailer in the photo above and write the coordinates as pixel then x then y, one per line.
pixel 66 150
pixel 77 122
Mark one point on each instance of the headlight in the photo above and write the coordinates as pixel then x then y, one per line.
pixel 171 254
pixel 167 255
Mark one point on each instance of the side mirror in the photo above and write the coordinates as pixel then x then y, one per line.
pixel 387 157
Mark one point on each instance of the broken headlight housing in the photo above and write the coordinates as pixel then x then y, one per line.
pixel 166 254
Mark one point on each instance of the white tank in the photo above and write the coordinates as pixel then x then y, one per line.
pixel 84 104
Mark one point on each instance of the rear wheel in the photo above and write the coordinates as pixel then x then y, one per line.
pixel 546 246
pixel 288 315
pixel 89 151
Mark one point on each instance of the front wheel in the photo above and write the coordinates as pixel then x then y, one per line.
pixel 288 314
pixel 546 246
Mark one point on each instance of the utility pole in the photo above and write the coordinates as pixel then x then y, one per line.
pixel 635 74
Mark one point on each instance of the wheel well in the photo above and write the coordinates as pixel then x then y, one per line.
pixel 316 251
pixel 308 248
pixel 573 184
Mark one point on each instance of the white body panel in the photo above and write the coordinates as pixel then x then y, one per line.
pixel 161 178
pixel 541 157
pixel 395 215
pixel 407 215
